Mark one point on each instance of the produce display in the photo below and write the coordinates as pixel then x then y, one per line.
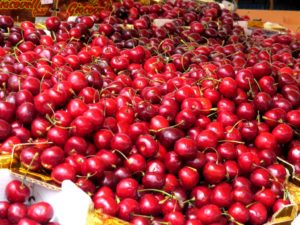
pixel 167 113
pixel 15 211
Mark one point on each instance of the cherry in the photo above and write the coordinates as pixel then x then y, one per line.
pixel 51 157
pixel 176 218
pixel 16 191
pixel 221 195
pixel 171 205
pixel 242 194
pixel 7 110
pixel 5 129
pixel 146 145
pixel 149 205
pixel 26 221
pixel 214 173
pixel 127 208
pixel 16 212
pixel 258 213
pixel 283 133
pixel 188 177
pixel 279 204
pixel 292 118
pixel 169 136
pixel 209 214
pixel 52 23
pixel 107 204
pixel 248 161
pixel 30 158
pixel 206 139
pixel 294 154
pixel 92 167
pixel 277 171
pixel 127 188
pixel 266 197
pixel 63 172
pixel 41 212
pixel 185 148
pixel 121 142
pixel 4 205
pixel 260 177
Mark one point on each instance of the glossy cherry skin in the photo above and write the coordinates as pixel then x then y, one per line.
pixel 41 212
pixel 63 172
pixel 258 213
pixel 16 212
pixel 4 205
pixel 209 214
pixel 107 204
pixel 16 191
pixel 127 188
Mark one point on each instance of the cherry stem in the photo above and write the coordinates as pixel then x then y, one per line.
pixel 233 141
pixel 215 150
pixel 259 88
pixel 28 168
pixel 121 153
pixel 156 190
pixel 161 129
pixel 277 121
pixel 189 200
pixel 235 125
pixel 231 218
pixel 144 216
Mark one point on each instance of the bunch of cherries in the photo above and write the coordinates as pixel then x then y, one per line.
pixel 176 124
pixel 14 211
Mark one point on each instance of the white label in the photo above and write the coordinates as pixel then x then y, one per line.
pixel 46 2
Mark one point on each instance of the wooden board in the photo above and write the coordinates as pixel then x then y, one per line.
pixel 289 19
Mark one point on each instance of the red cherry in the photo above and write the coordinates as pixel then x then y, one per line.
pixel 206 139
pixel 41 212
pixel 258 213
pixel 127 188
pixel 63 172
pixel 260 177
pixel 214 173
pixel 4 205
pixel 174 218
pixel 16 212
pixel 279 204
pixel 209 214
pixel 16 191
pixel 26 221
pixel 283 133
pixel 239 212
pixel 107 204
pixel 188 177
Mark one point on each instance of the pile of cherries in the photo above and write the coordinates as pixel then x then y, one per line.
pixel 180 124
pixel 14 211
